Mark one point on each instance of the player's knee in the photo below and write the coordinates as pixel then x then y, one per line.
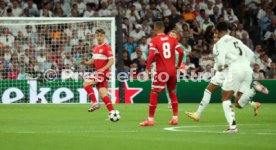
pixel 85 84
pixel 173 96
pixel 172 91
pixel 212 87
pixel 88 82
pixel 103 94
pixel 154 92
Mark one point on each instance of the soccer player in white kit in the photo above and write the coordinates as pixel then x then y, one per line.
pixel 232 53
pixel 242 98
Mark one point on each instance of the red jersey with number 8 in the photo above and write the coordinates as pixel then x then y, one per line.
pixel 164 47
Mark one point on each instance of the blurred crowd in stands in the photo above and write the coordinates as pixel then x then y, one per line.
pixel 27 51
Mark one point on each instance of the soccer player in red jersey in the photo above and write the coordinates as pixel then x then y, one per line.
pixel 102 60
pixel 162 48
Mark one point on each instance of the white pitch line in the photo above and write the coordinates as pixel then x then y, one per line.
pixel 207 126
pixel 65 132
pixel 186 129
pixel 173 129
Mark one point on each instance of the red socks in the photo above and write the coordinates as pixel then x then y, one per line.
pixel 153 104
pixel 174 103
pixel 108 103
pixel 91 94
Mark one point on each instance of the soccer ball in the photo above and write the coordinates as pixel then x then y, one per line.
pixel 114 115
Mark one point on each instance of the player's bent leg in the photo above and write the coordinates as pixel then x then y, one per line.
pixel 88 88
pixel 248 93
pixel 174 120
pixel 242 99
pixel 246 98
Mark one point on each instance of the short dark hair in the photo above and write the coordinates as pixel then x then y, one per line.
pixel 216 7
pixel 202 10
pixel 100 31
pixel 173 31
pixel 222 26
pixel 159 25
pixel 28 27
pixel 92 5
pixel 9 10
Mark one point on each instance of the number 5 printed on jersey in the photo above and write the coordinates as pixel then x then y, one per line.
pixel 237 47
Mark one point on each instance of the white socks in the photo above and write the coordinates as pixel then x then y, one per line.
pixel 229 113
pixel 204 102
pixel 253 104
pixel 246 97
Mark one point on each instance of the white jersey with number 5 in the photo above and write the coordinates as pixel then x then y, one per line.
pixel 231 51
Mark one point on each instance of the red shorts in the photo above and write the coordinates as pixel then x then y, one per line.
pixel 161 80
pixel 100 78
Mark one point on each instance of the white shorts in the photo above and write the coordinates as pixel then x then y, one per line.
pixel 237 80
pixel 219 78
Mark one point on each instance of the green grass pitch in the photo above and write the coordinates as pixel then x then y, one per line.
pixel 68 127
